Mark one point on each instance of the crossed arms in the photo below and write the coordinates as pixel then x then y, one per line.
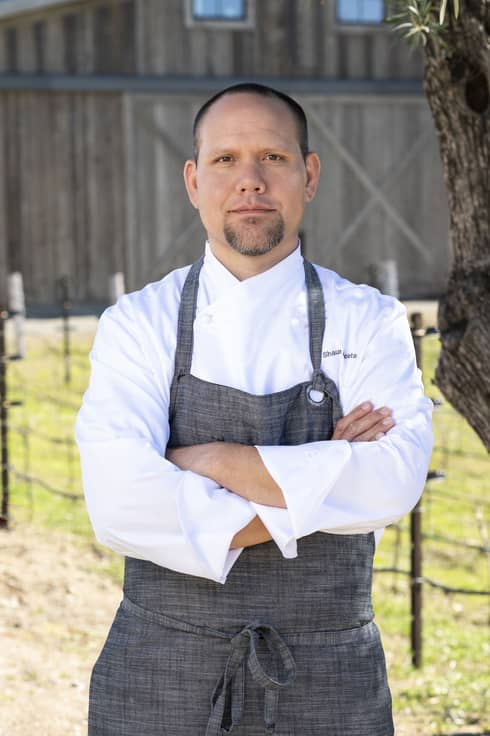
pixel 240 468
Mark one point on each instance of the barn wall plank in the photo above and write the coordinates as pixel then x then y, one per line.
pixel 11 50
pixel 155 36
pixel 26 58
pixel 39 259
pixel 105 208
pixel 270 40
pixel 72 37
pixel 4 267
pixel 306 39
pixel 116 175
pixel 177 41
pixel 27 195
pixel 220 53
pixel 38 33
pixel 12 175
pixel 85 55
pixel 78 192
pixel 54 56
pixel 62 164
pixel 103 39
pixel 93 194
pixel 3 50
pixel 127 36
pixel 380 45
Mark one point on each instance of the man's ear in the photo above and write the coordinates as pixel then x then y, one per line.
pixel 190 179
pixel 312 165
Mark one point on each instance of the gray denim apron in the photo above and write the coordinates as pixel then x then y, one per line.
pixel 285 646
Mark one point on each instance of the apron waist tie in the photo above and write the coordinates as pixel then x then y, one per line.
pixel 231 685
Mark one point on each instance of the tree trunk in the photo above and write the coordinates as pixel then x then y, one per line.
pixel 457 73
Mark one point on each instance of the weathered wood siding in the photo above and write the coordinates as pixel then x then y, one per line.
pixel 62 212
pixel 93 185
pixel 92 182
pixel 292 38
pixel 381 194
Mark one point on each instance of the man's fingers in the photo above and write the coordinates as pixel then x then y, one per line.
pixel 376 432
pixel 363 425
pixel 358 413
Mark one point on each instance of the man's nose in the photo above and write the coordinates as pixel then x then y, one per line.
pixel 251 179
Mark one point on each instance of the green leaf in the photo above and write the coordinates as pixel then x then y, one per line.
pixel 442 11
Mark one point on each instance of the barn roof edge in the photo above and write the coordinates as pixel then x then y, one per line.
pixel 189 85
pixel 10 8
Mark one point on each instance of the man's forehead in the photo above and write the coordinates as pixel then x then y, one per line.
pixel 241 101
pixel 241 109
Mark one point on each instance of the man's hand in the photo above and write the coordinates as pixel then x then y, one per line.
pixel 364 424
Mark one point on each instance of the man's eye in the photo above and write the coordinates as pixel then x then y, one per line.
pixel 226 158
pixel 273 157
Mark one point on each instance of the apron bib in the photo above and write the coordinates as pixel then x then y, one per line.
pixel 285 646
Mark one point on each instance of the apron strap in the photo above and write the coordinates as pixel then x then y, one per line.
pixel 321 387
pixel 185 329
pixel 316 314
pixel 231 685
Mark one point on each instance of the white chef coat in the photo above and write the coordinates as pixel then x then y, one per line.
pixel 251 335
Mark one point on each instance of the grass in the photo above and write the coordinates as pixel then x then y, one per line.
pixel 450 693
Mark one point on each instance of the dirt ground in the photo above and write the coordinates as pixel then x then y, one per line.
pixel 55 609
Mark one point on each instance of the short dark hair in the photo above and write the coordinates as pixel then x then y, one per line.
pixel 255 89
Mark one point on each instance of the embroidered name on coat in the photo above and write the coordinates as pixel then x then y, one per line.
pixel 332 353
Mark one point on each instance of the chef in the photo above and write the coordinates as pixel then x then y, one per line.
pixel 252 422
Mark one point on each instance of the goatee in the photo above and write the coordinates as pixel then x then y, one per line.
pixel 251 240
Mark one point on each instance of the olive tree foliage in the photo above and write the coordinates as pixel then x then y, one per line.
pixel 454 36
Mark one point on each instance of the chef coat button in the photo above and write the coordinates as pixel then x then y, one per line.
pixel 208 318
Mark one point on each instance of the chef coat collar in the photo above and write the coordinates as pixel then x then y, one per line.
pixel 269 279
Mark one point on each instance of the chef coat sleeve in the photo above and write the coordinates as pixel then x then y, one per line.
pixel 140 504
pixel 347 488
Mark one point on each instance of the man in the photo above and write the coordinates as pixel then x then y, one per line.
pixel 250 422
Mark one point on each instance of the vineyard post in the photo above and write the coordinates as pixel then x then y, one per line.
pixel 4 513
pixel 66 307
pixel 416 532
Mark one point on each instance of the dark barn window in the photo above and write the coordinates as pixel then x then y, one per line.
pixel 219 9
pixel 360 11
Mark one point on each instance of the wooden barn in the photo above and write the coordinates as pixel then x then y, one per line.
pixel 97 99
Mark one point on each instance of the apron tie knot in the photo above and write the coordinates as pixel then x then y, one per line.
pixel 230 688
